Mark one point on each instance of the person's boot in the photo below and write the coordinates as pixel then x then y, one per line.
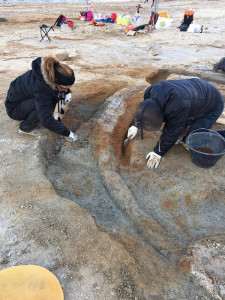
pixel 222 133
pixel 217 66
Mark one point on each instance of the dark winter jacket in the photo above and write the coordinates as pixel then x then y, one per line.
pixel 223 65
pixel 181 103
pixel 36 84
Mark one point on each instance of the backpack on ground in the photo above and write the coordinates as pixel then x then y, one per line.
pixel 61 20
pixel 188 19
pixel 153 18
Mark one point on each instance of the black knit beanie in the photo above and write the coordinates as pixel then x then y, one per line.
pixel 148 115
pixel 64 80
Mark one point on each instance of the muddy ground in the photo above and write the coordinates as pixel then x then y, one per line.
pixel 92 212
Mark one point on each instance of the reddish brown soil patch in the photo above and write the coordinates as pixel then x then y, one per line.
pixel 87 98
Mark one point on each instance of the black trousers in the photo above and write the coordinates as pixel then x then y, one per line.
pixel 208 120
pixel 26 111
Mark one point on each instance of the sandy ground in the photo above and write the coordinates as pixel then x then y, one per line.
pixel 94 215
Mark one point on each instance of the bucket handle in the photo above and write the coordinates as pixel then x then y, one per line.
pixel 205 129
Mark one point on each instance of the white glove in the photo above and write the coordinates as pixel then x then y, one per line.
pixel 56 116
pixel 132 131
pixel 153 160
pixel 68 98
pixel 72 137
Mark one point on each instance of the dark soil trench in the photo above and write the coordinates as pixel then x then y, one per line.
pixel 88 190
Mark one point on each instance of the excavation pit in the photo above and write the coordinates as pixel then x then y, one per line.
pixel 161 210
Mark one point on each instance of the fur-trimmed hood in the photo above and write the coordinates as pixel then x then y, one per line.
pixel 40 72
pixel 34 85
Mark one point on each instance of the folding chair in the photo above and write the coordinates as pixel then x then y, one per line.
pixel 44 30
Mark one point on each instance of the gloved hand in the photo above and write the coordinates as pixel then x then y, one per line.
pixel 68 98
pixel 153 160
pixel 132 131
pixel 72 137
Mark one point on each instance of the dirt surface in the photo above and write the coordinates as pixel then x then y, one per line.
pixel 92 212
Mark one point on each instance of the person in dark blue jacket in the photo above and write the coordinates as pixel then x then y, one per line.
pixel 179 104
pixel 33 96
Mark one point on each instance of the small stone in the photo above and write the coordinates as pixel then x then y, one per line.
pixel 222 290
pixel 210 280
pixel 195 60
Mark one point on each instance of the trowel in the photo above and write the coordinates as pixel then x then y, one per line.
pixel 125 142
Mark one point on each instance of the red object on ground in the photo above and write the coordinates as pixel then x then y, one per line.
pixel 63 19
pixel 83 18
pixel 113 17
pixel 101 24
pixel 70 24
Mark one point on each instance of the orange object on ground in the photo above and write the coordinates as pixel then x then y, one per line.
pixel 29 282
pixel 189 12
pixel 101 24
pixel 163 14
pixel 93 22
pixel 128 28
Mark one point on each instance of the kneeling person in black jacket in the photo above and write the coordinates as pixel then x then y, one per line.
pixel 179 104
pixel 32 97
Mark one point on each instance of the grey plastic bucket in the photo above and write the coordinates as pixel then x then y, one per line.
pixel 205 138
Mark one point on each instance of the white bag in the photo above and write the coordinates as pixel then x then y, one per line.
pixel 194 28
pixel 163 23
pixel 191 28
pixel 197 28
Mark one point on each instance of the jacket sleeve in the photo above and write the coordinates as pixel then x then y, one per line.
pixel 44 106
pixel 174 125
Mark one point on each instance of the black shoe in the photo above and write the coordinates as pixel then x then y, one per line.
pixel 222 133
pixel 217 66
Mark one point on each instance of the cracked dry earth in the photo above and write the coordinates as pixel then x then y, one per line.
pixel 92 212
